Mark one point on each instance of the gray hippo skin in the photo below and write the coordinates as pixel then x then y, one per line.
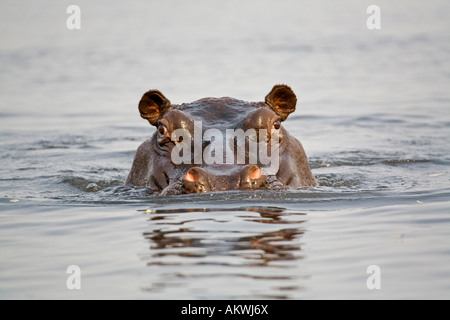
pixel 154 168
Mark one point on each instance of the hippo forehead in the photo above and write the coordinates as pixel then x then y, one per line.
pixel 219 112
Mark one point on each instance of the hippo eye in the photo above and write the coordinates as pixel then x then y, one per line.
pixel 277 125
pixel 162 129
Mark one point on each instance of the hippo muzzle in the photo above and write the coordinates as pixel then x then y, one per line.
pixel 199 180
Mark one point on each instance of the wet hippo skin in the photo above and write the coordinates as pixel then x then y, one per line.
pixel 155 167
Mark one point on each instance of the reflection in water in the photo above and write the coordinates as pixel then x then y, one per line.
pixel 258 244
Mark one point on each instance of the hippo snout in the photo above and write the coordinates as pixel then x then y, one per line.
pixel 198 180
pixel 251 177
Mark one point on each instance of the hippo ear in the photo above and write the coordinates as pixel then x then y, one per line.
pixel 153 106
pixel 282 100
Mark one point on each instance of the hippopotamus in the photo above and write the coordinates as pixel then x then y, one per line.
pixel 206 145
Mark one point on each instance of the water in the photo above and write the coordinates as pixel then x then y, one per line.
pixel 373 116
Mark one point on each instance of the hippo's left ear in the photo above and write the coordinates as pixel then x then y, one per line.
pixel 153 106
pixel 282 100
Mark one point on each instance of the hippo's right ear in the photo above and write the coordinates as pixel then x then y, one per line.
pixel 153 106
pixel 282 100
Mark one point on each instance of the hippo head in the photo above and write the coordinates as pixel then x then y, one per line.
pixel 217 144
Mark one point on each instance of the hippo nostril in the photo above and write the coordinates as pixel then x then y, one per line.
pixel 196 181
pixel 254 172
pixel 252 177
pixel 191 175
